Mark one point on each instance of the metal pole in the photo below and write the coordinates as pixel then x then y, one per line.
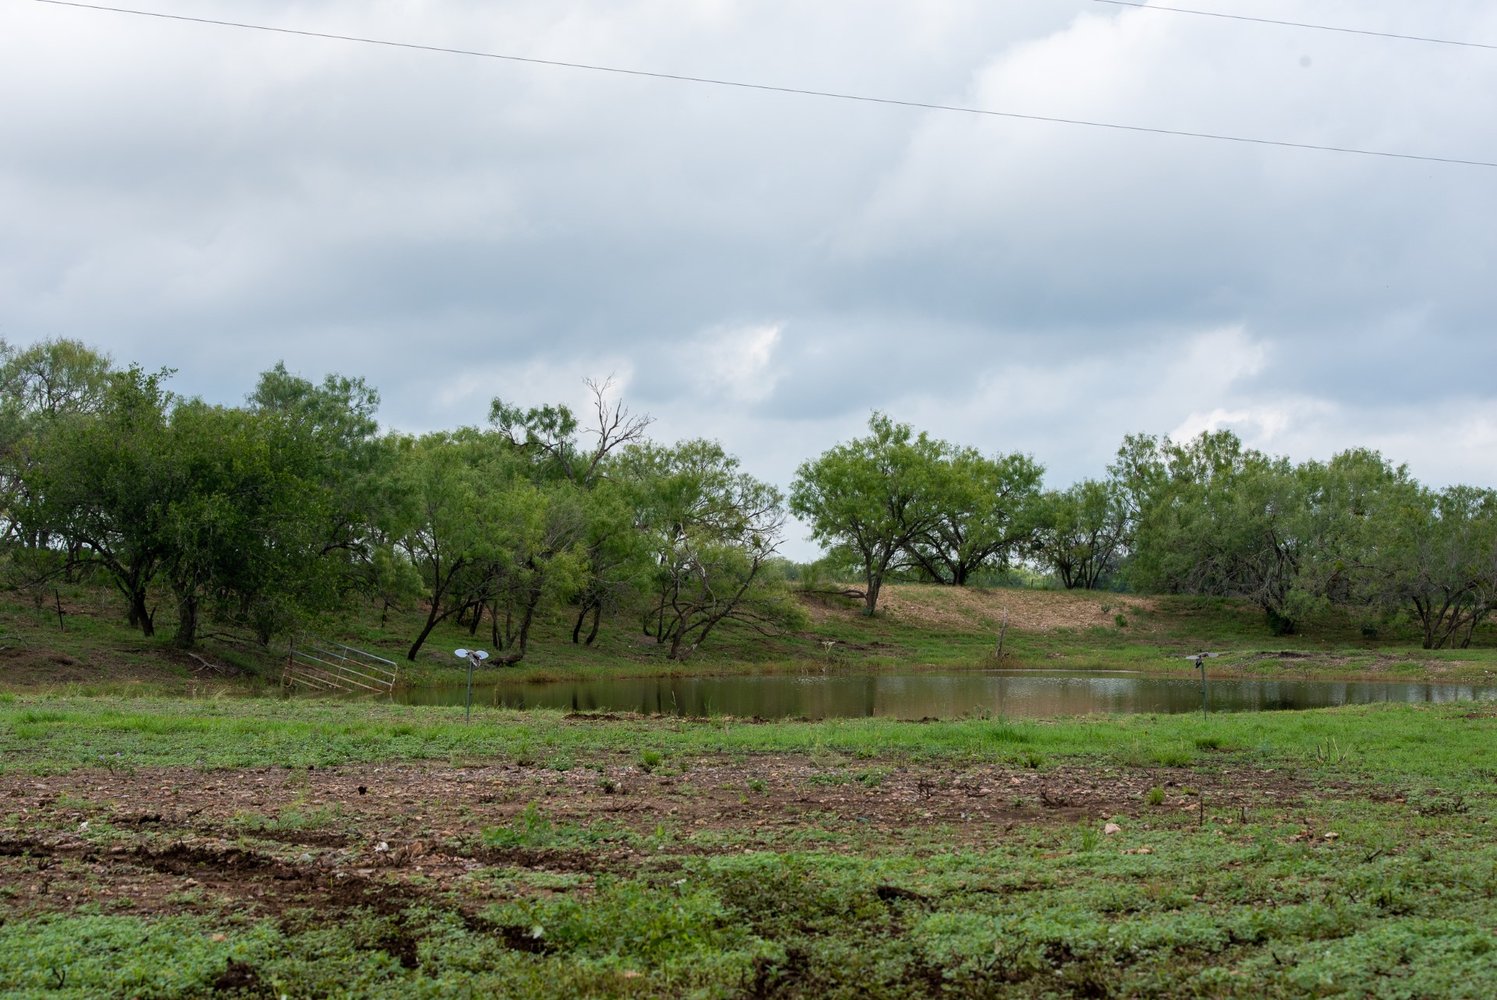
pixel 472 656
pixel 1201 666
pixel 468 708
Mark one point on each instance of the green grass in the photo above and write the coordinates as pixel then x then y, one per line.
pixel 1440 743
pixel 1381 881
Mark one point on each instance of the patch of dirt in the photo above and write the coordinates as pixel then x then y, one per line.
pixel 975 609
pixel 237 977
pixel 394 835
pixel 23 666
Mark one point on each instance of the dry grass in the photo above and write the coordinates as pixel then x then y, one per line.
pixel 930 606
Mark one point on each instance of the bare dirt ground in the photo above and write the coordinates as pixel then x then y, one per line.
pixel 972 609
pixel 1032 610
pixel 272 841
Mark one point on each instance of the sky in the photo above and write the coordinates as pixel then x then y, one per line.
pixel 766 268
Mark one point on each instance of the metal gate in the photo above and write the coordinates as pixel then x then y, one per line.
pixel 332 666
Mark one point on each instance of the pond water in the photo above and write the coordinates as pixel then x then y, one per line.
pixel 937 695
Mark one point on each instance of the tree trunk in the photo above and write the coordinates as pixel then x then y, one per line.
pixel 534 602
pixel 590 604
pixel 187 623
pixel 597 619
pixel 140 615
pixel 432 618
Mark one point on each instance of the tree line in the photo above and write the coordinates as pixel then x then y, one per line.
pixel 295 504
pixel 1207 516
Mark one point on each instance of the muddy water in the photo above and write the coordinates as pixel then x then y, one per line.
pixel 939 696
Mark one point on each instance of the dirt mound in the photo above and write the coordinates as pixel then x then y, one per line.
pixel 983 610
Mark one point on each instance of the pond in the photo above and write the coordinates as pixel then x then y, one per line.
pixel 937 695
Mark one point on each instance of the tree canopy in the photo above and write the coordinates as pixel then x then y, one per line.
pixel 264 516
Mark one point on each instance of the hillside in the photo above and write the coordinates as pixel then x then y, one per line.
pixel 919 627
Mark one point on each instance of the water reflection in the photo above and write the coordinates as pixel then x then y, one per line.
pixel 940 696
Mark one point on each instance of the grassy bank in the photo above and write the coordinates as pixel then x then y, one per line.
pixel 254 847
pixel 88 649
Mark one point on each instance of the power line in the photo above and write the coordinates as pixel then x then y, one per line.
pixel 771 88
pixel 1296 24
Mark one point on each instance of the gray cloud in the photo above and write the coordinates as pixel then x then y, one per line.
pixel 767 269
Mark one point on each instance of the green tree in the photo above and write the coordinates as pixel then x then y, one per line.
pixel 226 495
pixel 101 481
pixel 712 531
pixel 447 484
pixel 339 449
pixel 873 497
pixel 540 556
pixel 40 387
pixel 1437 557
pixel 556 446
pixel 342 467
pixel 1080 532
pixel 1342 531
pixel 619 566
pixel 1212 517
pixel 985 515
pixel 247 532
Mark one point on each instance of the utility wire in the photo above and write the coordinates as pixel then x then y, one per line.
pixel 1297 24
pixel 770 88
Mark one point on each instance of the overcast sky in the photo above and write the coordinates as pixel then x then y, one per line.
pixel 764 268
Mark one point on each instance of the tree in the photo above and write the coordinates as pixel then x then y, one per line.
pixel 873 497
pixel 247 531
pixel 101 481
pixel 342 467
pixel 447 484
pixel 226 498
pixel 40 387
pixel 1080 532
pixel 551 439
pixel 1438 558
pixel 984 517
pixel 619 566
pixel 549 434
pixel 711 530
pixel 540 555
pixel 1213 517
pixel 1341 528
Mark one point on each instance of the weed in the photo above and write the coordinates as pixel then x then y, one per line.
pixel 1330 753
pixel 531 829
pixel 1172 756
pixel 1454 804
pixel 288 820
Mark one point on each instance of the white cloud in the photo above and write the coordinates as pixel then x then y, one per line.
pixel 766 269
pixel 735 362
